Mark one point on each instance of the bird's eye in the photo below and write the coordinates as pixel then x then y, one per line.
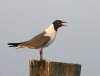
pixel 57 21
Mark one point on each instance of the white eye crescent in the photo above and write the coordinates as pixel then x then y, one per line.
pixel 57 21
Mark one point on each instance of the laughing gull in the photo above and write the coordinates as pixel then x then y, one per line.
pixel 42 40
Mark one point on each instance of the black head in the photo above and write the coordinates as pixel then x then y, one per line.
pixel 58 23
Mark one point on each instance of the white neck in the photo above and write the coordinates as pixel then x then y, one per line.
pixel 50 29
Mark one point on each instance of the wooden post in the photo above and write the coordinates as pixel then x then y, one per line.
pixel 46 68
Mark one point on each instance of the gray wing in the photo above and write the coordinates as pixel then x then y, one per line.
pixel 37 41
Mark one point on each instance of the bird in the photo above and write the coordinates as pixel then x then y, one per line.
pixel 42 40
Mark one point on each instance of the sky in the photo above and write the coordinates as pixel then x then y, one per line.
pixel 79 43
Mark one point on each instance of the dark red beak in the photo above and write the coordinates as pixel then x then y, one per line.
pixel 64 23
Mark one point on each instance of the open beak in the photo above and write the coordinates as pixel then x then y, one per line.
pixel 64 24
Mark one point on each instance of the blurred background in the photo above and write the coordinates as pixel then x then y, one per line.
pixel 20 20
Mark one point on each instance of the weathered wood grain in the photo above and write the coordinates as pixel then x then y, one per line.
pixel 46 68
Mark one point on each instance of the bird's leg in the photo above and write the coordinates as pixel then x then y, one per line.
pixel 41 54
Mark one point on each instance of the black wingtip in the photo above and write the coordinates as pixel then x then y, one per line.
pixel 13 44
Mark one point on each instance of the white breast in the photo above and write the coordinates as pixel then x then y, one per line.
pixel 50 32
